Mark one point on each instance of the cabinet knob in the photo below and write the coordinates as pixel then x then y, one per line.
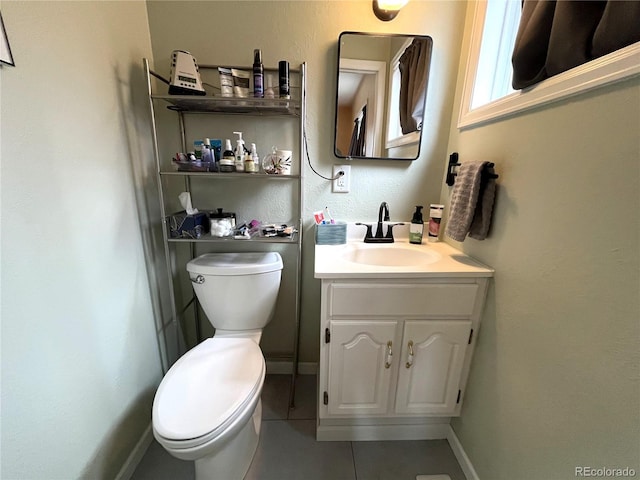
pixel 389 354
pixel 410 354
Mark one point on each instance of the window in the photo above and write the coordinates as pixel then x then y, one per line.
pixel 487 91
pixel 494 73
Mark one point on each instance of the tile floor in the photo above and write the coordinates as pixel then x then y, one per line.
pixel 288 449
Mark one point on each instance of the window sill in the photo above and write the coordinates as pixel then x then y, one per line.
pixel 408 139
pixel 614 67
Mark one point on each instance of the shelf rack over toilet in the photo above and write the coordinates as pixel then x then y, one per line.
pixel 185 104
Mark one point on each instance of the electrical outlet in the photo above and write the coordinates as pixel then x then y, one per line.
pixel 343 182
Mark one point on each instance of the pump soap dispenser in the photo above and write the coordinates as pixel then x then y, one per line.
pixel 416 228
pixel 239 153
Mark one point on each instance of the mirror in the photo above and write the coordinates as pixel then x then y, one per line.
pixel 381 95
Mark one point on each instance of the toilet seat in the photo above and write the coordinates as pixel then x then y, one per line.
pixel 207 390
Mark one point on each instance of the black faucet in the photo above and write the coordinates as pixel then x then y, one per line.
pixel 384 208
pixel 383 216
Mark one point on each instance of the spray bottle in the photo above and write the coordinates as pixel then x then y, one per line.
pixel 239 153
pixel 258 74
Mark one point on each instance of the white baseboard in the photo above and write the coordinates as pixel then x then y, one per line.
pixel 286 367
pixel 136 455
pixel 461 455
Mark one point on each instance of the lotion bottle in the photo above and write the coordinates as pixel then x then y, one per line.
pixel 239 153
pixel 416 229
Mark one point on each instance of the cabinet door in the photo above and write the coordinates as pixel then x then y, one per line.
pixel 361 358
pixel 428 381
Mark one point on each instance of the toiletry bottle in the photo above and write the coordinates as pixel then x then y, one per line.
pixel 239 153
pixel 435 217
pixel 417 226
pixel 269 92
pixel 197 149
pixel 228 160
pixel 255 158
pixel 206 150
pixel 283 72
pixel 249 166
pixel 258 74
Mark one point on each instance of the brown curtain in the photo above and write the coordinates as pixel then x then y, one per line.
pixel 555 36
pixel 357 146
pixel 362 135
pixel 414 74
pixel 353 145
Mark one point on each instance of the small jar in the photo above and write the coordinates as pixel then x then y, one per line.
pixel 249 164
pixel 223 224
pixel 227 165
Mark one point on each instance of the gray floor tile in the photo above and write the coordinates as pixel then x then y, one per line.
pixel 403 460
pixel 288 451
pixel 275 397
pixel 306 398
pixel 157 464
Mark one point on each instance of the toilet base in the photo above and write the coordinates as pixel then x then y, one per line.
pixel 232 461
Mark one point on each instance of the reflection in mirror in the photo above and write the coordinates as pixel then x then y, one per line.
pixel 381 95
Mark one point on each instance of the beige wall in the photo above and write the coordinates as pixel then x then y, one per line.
pixel 307 31
pixel 80 362
pixel 554 383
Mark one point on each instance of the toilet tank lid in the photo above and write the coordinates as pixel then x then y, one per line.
pixel 235 263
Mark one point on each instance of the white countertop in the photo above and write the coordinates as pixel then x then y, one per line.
pixel 357 259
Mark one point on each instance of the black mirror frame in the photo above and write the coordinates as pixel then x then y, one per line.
pixel 335 123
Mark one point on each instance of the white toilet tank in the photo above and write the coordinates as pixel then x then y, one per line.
pixel 237 291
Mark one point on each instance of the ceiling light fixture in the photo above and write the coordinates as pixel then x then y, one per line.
pixel 387 10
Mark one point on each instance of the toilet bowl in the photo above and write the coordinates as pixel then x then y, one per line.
pixel 207 408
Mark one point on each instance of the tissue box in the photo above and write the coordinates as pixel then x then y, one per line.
pixel 182 225
pixel 331 234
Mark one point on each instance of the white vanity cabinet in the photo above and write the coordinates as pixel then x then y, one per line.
pixel 395 354
pixel 429 379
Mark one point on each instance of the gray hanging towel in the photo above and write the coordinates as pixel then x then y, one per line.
pixel 484 207
pixel 464 198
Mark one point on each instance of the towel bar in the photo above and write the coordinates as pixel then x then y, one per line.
pixel 453 163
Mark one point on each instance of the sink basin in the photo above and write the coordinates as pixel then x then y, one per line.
pixel 389 255
pixel 401 259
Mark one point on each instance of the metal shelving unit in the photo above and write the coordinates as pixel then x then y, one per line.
pixel 213 105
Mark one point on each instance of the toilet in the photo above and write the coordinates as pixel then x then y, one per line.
pixel 207 408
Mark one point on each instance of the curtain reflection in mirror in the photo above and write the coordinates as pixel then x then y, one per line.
pixel 414 71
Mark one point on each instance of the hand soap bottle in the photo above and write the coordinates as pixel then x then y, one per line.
pixel 416 228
